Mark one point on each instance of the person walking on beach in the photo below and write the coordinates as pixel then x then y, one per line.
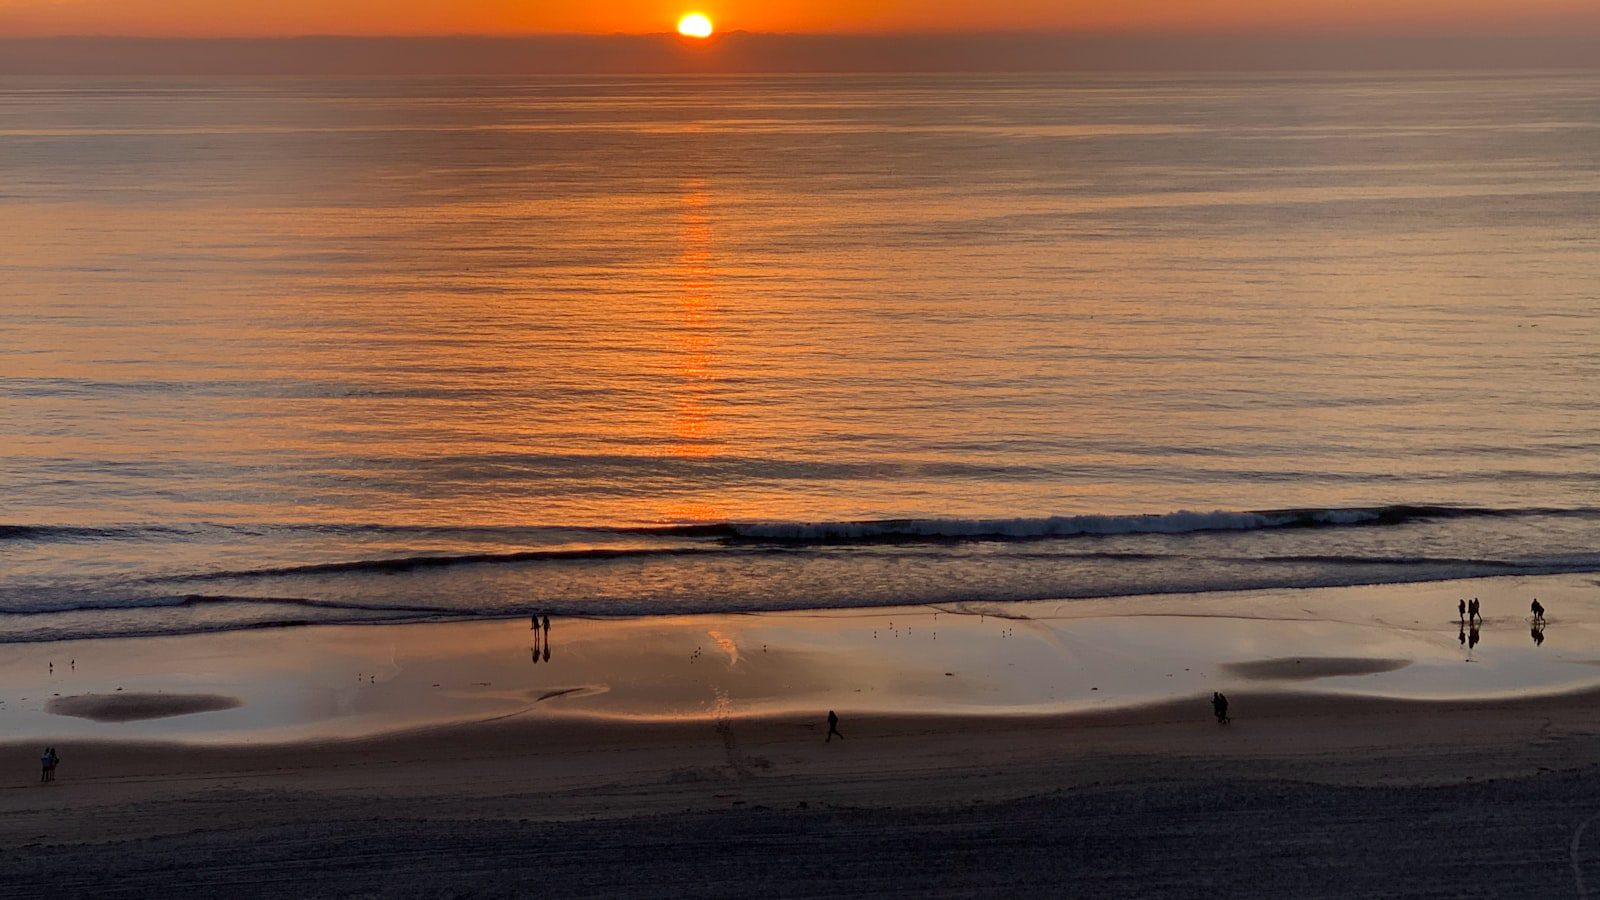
pixel 1219 706
pixel 1474 611
pixel 1461 610
pixel 547 628
pixel 47 764
pixel 1538 610
pixel 833 726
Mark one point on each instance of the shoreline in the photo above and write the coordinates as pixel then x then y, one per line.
pixel 445 617
pixel 1028 658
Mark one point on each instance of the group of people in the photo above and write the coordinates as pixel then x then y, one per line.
pixel 1470 611
pixel 1470 614
pixel 48 762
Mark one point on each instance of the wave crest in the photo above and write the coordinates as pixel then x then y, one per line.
pixel 1051 527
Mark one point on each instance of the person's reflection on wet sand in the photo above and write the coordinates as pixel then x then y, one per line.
pixel 1536 631
pixel 1461 636
pixel 1472 637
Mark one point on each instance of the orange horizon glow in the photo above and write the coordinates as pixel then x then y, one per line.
pixel 278 18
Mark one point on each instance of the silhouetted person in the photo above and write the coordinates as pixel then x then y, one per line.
pixel 44 765
pixel 1219 706
pixel 547 626
pixel 1536 631
pixel 1474 611
pixel 1472 637
pixel 1538 610
pixel 535 622
pixel 1461 610
pixel 833 726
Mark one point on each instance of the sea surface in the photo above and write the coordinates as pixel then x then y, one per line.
pixel 289 351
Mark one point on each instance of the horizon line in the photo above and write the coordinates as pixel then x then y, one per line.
pixel 752 52
pixel 1419 32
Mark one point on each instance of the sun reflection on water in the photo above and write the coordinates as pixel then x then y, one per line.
pixel 694 430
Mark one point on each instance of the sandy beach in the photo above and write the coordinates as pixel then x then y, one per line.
pixel 1304 797
pixel 1046 748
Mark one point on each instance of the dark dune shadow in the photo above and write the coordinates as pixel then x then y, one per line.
pixel 1311 667
pixel 136 707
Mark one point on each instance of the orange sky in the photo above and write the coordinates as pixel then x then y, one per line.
pixel 388 17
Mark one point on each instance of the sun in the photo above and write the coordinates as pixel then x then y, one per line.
pixel 695 25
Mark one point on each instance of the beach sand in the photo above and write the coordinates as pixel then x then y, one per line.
pixel 1392 760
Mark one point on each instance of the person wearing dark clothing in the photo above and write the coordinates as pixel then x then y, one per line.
pixel 1219 705
pixel 1461 610
pixel 833 726
pixel 1538 610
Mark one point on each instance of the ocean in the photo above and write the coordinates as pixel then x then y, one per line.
pixel 301 351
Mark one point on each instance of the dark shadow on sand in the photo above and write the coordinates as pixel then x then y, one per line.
pixel 1307 668
pixel 136 707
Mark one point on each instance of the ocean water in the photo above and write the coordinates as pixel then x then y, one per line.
pixel 371 350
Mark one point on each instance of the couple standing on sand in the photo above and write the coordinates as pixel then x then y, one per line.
pixel 1219 707
pixel 48 763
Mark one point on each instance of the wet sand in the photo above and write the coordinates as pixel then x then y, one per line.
pixel 1070 749
pixel 1034 659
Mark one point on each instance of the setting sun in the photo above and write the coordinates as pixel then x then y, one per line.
pixel 695 25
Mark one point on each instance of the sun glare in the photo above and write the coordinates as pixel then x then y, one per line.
pixel 695 25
